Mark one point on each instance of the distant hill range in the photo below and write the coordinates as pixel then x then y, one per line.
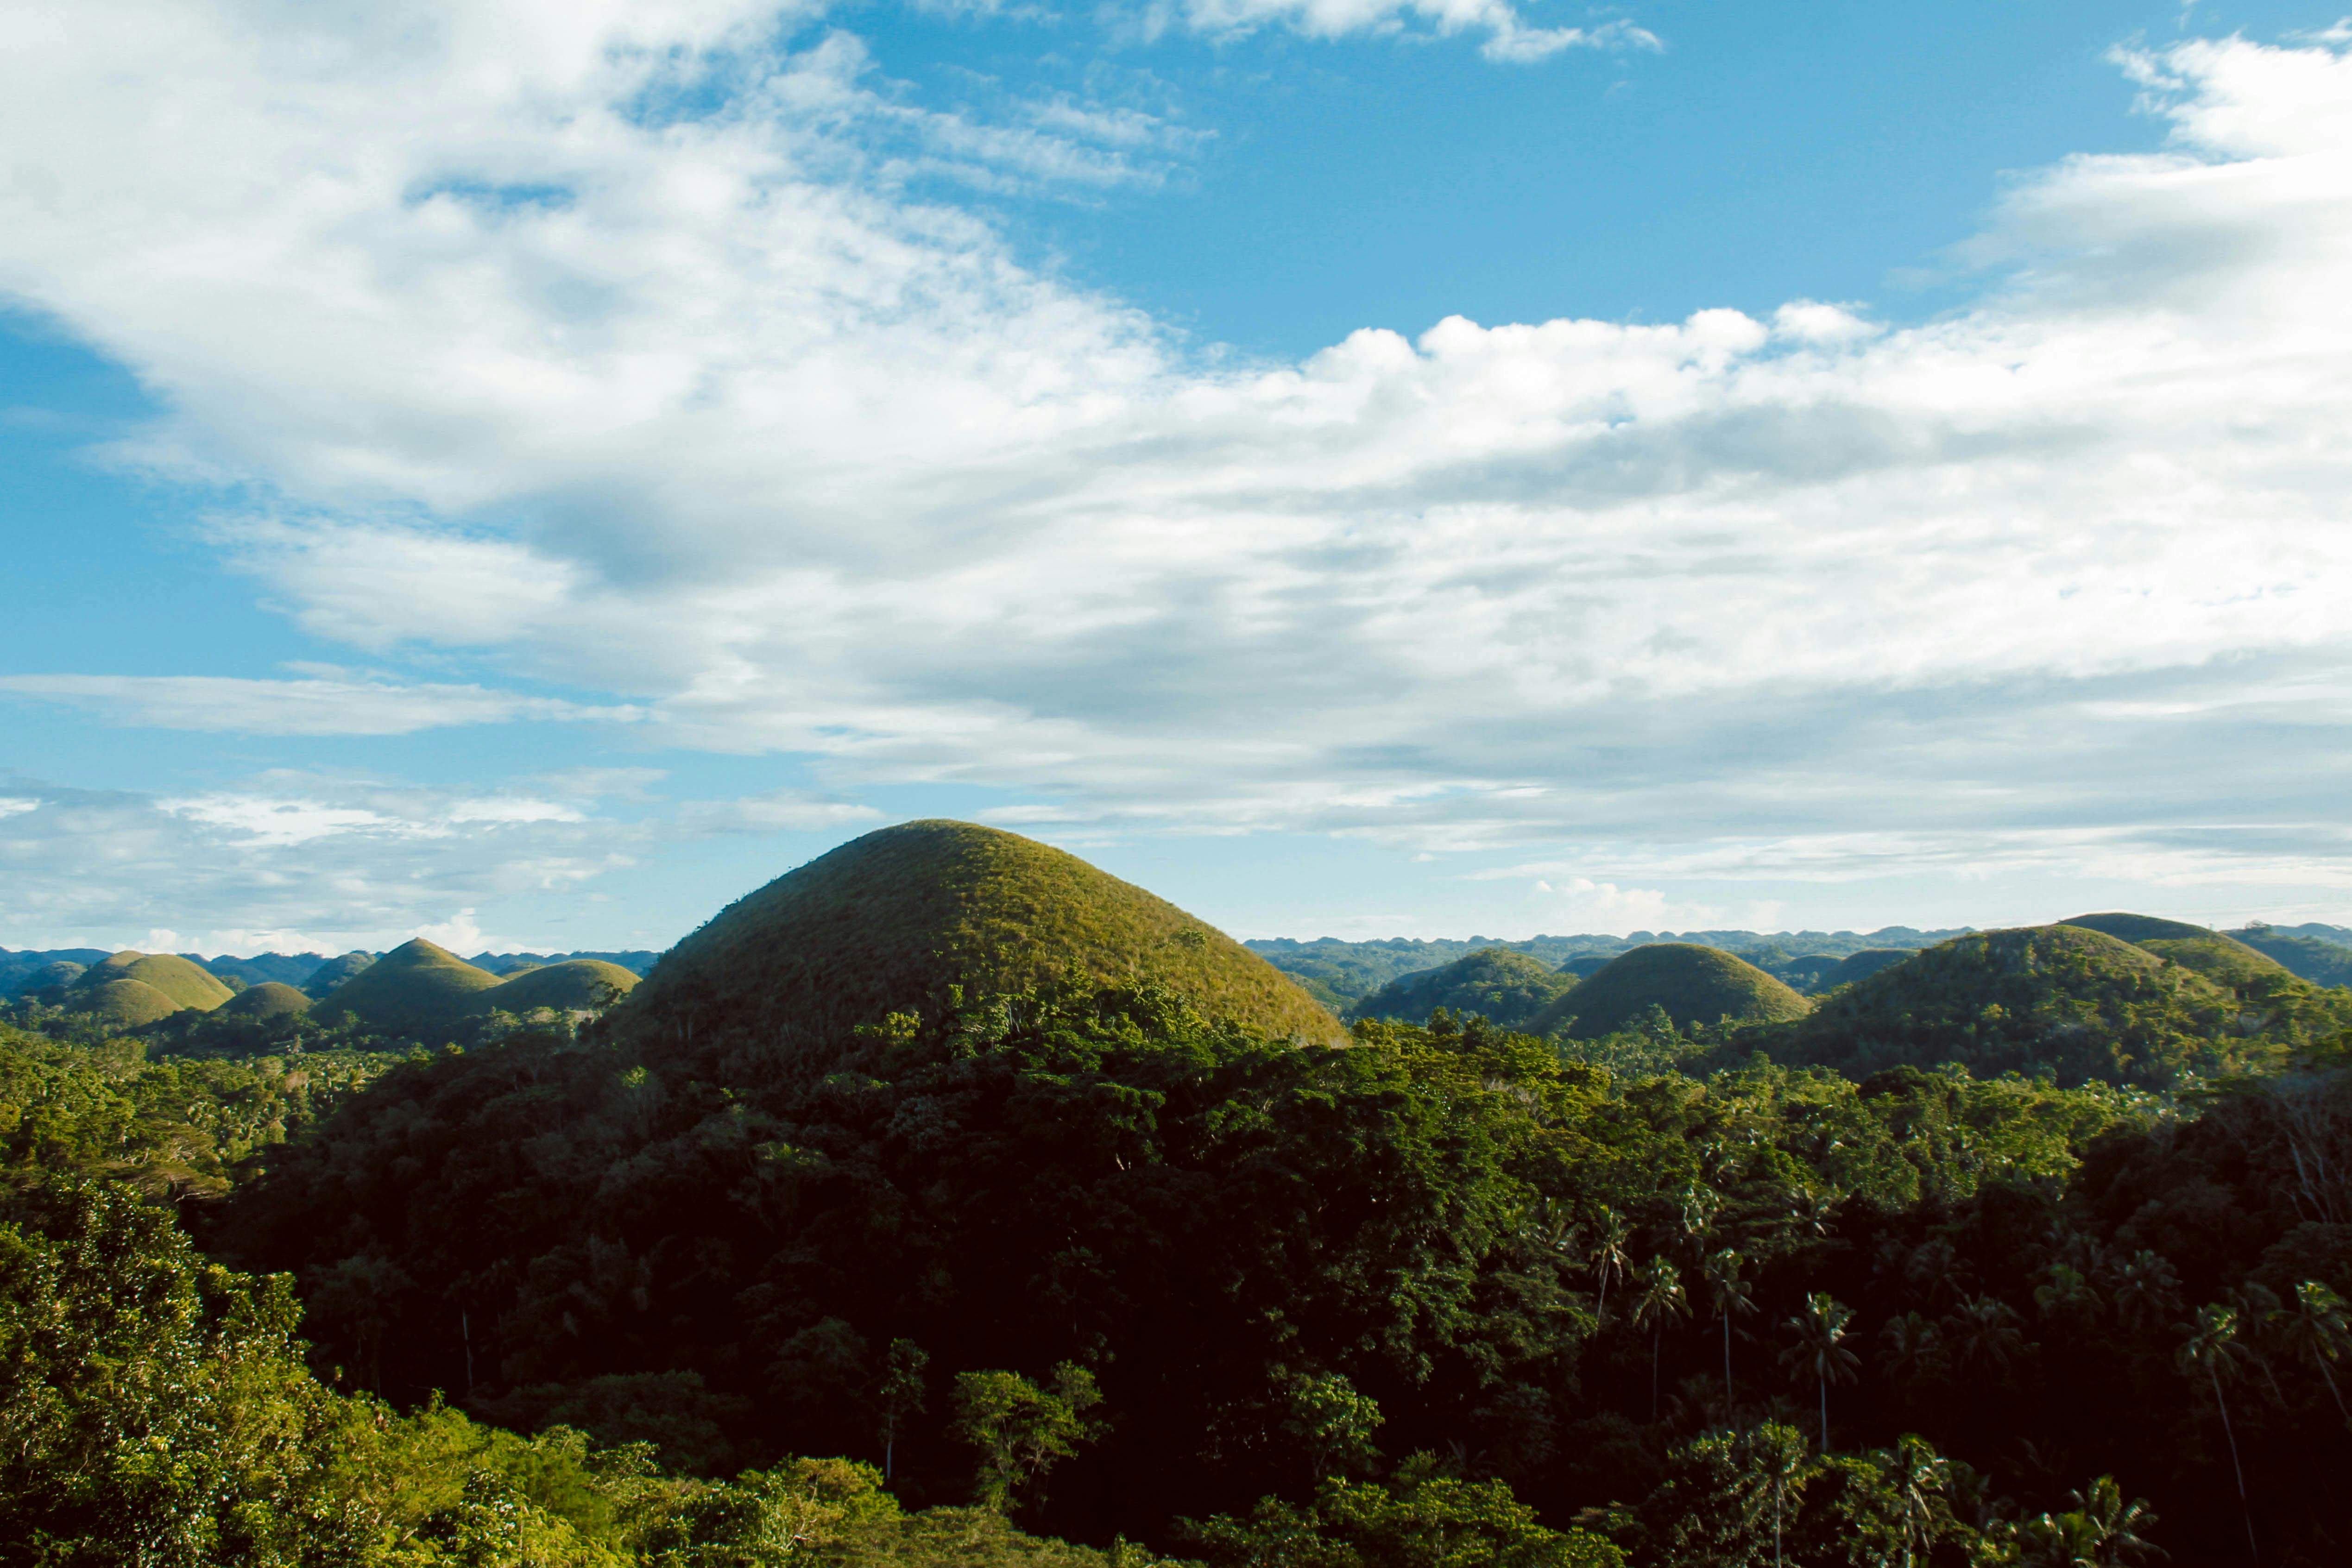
pixel 22 971
pixel 1344 976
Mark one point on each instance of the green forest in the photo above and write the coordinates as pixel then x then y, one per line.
pixel 949 1201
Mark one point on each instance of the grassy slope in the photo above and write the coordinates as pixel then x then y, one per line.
pixel 122 1003
pixel 417 986
pixel 188 985
pixel 2064 1000
pixel 271 999
pixel 572 986
pixel 2321 963
pixel 1695 985
pixel 1862 964
pixel 1495 982
pixel 889 921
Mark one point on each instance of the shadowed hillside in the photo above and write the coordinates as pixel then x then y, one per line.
pixel 415 987
pixel 2321 962
pixel 333 973
pixel 890 921
pixel 1696 986
pixel 1495 982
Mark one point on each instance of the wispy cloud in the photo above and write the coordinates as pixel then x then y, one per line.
pixel 224 704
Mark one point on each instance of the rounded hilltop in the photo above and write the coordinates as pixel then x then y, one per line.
pixel 419 986
pixel 1498 984
pixel 185 984
pixel 2224 960
pixel 269 999
pixel 1696 986
pixel 888 922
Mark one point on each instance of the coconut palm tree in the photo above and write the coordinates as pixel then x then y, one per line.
pixel 1921 1480
pixel 1731 1294
pixel 1820 1351
pixel 2210 1346
pixel 1608 1242
pixel 1658 1296
pixel 2316 1329
pixel 2113 1538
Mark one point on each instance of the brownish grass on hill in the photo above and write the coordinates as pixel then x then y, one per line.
pixel 888 922
pixel 123 1004
pixel 188 985
pixel 269 999
pixel 1695 985
pixel 574 986
pixel 417 987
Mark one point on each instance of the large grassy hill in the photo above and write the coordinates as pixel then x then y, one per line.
pixel 888 923
pixel 269 999
pixel 1495 982
pixel 416 988
pixel 2064 1000
pixel 188 985
pixel 123 1004
pixel 575 985
pixel 1695 985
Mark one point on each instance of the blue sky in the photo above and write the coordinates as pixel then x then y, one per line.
pixel 529 474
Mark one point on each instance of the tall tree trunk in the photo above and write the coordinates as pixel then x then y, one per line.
pixel 1657 1344
pixel 1825 1415
pixel 2253 1550
pixel 2331 1388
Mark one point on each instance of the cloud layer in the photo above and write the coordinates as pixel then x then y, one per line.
pixel 613 346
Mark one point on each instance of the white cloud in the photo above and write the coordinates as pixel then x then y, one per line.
pixel 704 411
pixel 223 703
pixel 1509 38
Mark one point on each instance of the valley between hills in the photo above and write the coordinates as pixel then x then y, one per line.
pixel 948 1200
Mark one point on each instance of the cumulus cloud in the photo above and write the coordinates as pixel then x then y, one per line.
pixel 609 346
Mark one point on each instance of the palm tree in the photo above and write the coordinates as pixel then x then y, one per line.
pixel 1700 1204
pixel 2113 1537
pixel 1658 1297
pixel 2317 1330
pixel 1820 1350
pixel 2147 1290
pixel 1732 1294
pixel 1921 1479
pixel 2068 1298
pixel 1983 1333
pixel 1911 1351
pixel 2211 1347
pixel 1609 1253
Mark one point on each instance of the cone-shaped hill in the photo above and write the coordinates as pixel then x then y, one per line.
pixel 888 922
pixel 123 1004
pixel 575 985
pixel 1696 986
pixel 2062 1000
pixel 187 984
pixel 269 999
pixel 415 987
pixel 2137 928
pixel 1505 986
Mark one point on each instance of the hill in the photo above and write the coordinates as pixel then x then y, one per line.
pixel 2066 1000
pixel 415 989
pixel 2313 959
pixel 187 984
pixel 333 973
pixel 269 999
pixel 1495 982
pixel 2137 928
pixel 576 984
pixel 1862 966
pixel 1696 986
pixel 890 921
pixel 122 1003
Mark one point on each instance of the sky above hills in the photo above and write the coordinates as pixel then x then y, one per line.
pixel 527 473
